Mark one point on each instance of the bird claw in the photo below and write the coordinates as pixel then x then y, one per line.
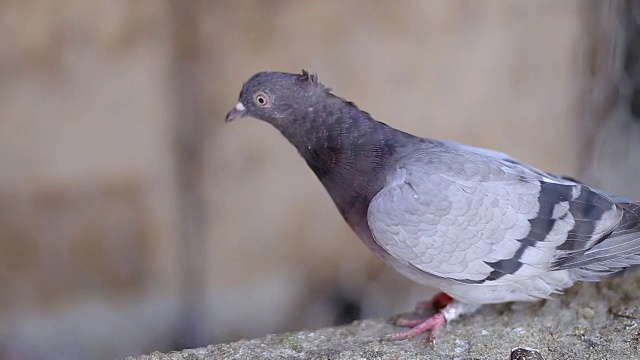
pixel 425 323
pixel 404 322
pixel 433 324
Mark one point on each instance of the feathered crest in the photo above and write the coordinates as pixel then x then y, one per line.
pixel 313 78
pixel 307 76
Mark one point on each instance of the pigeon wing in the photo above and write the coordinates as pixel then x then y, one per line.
pixel 472 218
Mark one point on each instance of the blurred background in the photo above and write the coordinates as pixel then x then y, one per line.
pixel 132 219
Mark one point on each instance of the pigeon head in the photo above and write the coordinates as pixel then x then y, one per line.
pixel 277 98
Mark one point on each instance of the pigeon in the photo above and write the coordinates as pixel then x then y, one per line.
pixel 477 224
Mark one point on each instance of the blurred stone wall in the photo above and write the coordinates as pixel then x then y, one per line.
pixel 87 222
pixel 127 202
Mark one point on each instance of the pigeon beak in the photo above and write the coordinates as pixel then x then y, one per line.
pixel 237 112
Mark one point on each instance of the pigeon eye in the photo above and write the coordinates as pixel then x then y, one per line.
pixel 261 99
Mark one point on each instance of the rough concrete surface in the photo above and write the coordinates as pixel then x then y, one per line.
pixel 591 321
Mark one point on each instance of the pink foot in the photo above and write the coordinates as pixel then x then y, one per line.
pixel 433 324
pixel 438 302
pixel 450 311
pixel 408 322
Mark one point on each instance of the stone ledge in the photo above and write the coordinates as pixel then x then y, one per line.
pixel 592 321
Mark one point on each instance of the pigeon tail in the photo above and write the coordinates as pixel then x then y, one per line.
pixel 617 251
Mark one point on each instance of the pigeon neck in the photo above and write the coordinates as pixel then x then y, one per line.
pixel 348 151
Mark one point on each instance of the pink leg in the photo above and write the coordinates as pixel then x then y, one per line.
pixel 435 322
pixel 439 301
